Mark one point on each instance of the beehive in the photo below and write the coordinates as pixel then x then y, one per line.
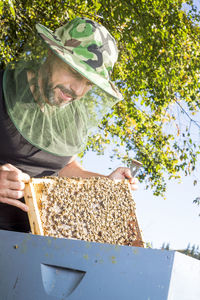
pixel 94 209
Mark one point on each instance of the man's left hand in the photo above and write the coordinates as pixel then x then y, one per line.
pixel 125 173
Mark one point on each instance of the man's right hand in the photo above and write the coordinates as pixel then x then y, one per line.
pixel 12 184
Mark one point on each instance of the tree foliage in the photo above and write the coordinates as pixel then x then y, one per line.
pixel 157 72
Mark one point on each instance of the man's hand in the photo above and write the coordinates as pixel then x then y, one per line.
pixel 125 173
pixel 12 183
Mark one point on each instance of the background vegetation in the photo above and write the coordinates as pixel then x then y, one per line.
pixel 192 251
pixel 157 72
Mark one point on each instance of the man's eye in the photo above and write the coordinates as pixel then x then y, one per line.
pixel 90 83
pixel 76 74
pixel 79 76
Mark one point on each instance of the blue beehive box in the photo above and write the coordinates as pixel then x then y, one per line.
pixel 39 268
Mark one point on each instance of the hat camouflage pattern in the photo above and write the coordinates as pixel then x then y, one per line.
pixel 88 48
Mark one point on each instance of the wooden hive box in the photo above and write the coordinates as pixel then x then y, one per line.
pixel 96 209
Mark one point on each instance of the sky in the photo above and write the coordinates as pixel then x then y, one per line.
pixel 175 220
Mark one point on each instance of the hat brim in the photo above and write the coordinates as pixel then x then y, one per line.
pixel 80 66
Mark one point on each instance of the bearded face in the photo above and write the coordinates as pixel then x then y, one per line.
pixel 60 84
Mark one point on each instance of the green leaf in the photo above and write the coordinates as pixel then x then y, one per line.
pixel 1 6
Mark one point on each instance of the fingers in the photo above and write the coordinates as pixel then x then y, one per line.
pixel 12 184
pixel 10 173
pixel 11 194
pixel 16 185
pixel 134 183
pixel 133 180
pixel 13 176
pixel 9 167
pixel 20 177
pixel 15 203
pixel 125 173
pixel 121 173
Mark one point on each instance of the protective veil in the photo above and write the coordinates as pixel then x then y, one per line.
pixel 62 129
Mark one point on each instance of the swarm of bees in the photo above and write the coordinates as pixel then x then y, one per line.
pixel 96 209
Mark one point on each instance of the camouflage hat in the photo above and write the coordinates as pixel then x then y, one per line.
pixel 88 48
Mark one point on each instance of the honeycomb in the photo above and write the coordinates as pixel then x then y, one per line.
pixel 96 209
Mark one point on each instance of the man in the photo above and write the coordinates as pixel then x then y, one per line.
pixel 49 105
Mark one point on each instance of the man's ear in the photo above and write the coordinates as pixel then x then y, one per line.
pixel 50 53
pixel 49 56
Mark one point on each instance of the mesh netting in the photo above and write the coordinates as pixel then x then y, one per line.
pixel 58 129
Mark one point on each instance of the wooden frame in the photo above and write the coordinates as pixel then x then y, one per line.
pixel 33 196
